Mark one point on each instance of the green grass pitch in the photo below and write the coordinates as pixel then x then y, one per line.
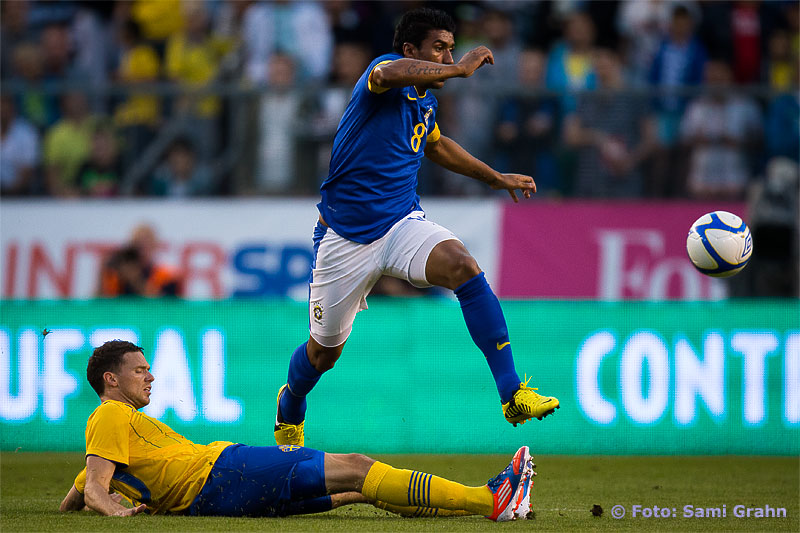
pixel 32 485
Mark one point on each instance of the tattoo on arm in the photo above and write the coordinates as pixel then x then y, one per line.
pixel 421 70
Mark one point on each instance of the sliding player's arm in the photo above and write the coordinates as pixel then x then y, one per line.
pixel 406 71
pixel 98 480
pixel 449 154
pixel 73 501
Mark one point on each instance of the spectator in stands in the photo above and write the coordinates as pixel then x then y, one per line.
pixel 525 132
pixel 747 34
pixel 783 123
pixel 242 23
pixel 360 22
pixel 740 30
pixel 100 175
pixel 139 114
pixel 67 145
pixel 642 24
pixel 773 207
pixel 720 128
pixel 132 270
pixel 569 66
pixel 193 58
pixel 19 151
pixel 791 12
pixel 14 30
pixel 781 65
pixel 57 49
pixel 92 43
pixel 614 132
pixel 277 116
pixel 181 175
pixel 158 19
pixel 350 59
pixel 33 102
pixel 302 30
pixel 679 62
pixel 477 108
pixel 503 41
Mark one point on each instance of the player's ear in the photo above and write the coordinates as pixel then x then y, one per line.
pixel 110 379
pixel 409 50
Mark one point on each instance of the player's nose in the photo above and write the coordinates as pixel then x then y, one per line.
pixel 448 57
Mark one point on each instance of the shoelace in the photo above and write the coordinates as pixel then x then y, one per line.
pixel 524 384
pixel 499 478
pixel 291 429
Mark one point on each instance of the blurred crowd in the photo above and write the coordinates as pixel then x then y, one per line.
pixel 171 98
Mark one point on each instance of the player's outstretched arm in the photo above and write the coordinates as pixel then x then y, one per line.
pixel 449 154
pixel 407 71
pixel 73 501
pixel 98 479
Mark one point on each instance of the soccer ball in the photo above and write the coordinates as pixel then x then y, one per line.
pixel 719 244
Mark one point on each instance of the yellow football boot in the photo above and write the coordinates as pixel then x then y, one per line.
pixel 286 433
pixel 526 404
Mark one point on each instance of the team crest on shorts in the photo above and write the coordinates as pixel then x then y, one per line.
pixel 316 308
pixel 288 447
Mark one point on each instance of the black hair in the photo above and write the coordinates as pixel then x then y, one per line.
pixel 681 10
pixel 107 358
pixel 132 28
pixel 415 25
pixel 182 143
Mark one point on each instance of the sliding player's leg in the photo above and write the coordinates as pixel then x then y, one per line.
pixel 500 499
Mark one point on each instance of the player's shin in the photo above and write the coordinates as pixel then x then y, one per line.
pixel 302 378
pixel 487 326
pixel 418 489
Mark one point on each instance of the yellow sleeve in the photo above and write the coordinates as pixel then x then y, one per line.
pixel 80 481
pixel 173 62
pixel 435 134
pixel 374 88
pixel 144 64
pixel 49 151
pixel 107 433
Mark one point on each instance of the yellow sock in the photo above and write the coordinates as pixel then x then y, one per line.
pixel 418 489
pixel 419 512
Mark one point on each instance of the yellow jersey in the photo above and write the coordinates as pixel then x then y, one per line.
pixel 139 64
pixel 155 465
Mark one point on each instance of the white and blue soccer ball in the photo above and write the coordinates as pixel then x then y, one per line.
pixel 719 244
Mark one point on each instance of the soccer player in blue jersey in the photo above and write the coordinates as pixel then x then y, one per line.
pixel 371 222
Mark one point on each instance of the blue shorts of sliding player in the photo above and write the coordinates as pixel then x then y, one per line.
pixel 261 481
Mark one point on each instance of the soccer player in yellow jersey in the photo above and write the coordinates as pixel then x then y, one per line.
pixel 134 455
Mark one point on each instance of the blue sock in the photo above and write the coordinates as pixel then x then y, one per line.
pixel 302 378
pixel 487 326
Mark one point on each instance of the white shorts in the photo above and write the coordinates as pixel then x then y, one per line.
pixel 345 271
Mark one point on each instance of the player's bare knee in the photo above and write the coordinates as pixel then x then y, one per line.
pixel 360 464
pixel 464 268
pixel 322 358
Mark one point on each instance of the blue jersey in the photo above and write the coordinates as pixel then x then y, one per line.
pixel 378 149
